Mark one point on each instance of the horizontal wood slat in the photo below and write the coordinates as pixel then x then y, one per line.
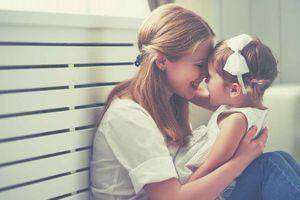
pixel 39 55
pixel 13 33
pixel 38 78
pixel 39 123
pixel 80 196
pixel 42 100
pixel 43 168
pixel 49 188
pixel 44 145
pixel 69 20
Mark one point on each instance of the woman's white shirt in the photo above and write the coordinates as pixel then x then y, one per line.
pixel 129 151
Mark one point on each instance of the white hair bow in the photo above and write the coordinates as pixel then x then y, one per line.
pixel 236 64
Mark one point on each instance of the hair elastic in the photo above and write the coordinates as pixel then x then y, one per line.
pixel 138 60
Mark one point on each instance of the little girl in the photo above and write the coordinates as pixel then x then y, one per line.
pixel 240 69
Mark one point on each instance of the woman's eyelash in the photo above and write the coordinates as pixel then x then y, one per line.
pixel 200 65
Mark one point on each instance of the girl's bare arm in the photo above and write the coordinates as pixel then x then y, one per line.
pixel 201 98
pixel 232 130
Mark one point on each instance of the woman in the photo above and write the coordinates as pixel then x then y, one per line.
pixel 145 122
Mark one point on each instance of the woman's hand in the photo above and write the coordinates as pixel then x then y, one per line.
pixel 250 149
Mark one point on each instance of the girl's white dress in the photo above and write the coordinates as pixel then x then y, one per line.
pixel 189 158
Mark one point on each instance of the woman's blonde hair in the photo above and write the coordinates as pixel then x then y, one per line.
pixel 261 63
pixel 172 31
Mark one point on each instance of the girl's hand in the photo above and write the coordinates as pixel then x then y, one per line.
pixel 250 149
pixel 201 98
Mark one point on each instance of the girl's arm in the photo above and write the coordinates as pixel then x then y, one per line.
pixel 232 130
pixel 211 185
pixel 201 98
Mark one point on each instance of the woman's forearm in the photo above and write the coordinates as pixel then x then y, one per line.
pixel 203 170
pixel 213 184
pixel 208 187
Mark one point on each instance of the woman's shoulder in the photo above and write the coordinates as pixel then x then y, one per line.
pixel 125 106
pixel 125 115
pixel 125 110
pixel 124 103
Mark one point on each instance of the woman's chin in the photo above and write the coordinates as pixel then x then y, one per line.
pixel 214 103
pixel 190 96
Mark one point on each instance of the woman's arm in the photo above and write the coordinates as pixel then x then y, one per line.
pixel 211 185
pixel 232 129
pixel 201 98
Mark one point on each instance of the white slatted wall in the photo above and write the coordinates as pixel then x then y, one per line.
pixel 55 73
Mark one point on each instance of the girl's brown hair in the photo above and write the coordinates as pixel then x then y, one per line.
pixel 172 31
pixel 260 60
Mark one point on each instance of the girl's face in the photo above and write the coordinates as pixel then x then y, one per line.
pixel 185 74
pixel 216 86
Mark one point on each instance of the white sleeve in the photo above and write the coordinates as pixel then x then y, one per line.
pixel 138 145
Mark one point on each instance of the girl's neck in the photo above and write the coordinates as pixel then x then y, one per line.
pixel 246 102
pixel 259 105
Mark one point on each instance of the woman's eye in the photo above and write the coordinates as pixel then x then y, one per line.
pixel 201 65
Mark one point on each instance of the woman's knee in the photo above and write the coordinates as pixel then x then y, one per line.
pixel 275 156
pixel 284 153
pixel 278 157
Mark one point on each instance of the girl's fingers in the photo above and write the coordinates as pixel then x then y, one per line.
pixel 251 133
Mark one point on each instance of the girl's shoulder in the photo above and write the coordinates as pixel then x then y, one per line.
pixel 250 114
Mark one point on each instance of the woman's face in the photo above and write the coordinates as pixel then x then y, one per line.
pixel 185 74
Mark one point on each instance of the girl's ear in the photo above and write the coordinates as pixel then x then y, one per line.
pixel 161 61
pixel 235 90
